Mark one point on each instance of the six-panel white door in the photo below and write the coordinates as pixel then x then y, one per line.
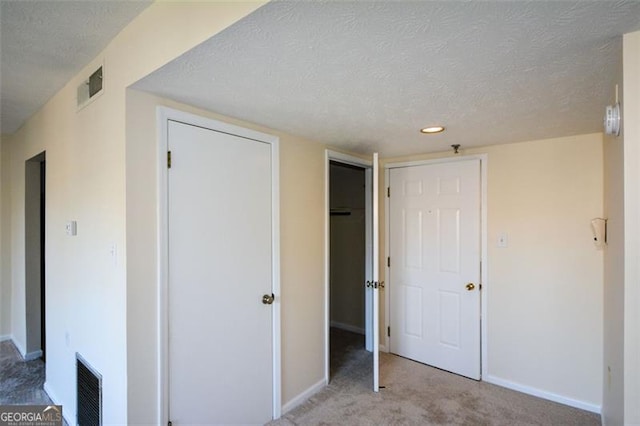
pixel 435 265
pixel 220 265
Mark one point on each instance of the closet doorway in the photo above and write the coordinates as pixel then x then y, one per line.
pixel 35 288
pixel 349 302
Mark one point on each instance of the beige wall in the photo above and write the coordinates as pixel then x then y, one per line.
pixel 5 257
pixel 544 292
pixel 613 290
pixel 86 279
pixel 302 263
pixel 631 112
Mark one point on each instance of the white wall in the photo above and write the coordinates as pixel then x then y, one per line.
pixel 631 112
pixel 86 181
pixel 544 292
pixel 85 287
pixel 613 290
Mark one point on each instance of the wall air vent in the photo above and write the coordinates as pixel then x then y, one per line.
pixel 89 390
pixel 90 88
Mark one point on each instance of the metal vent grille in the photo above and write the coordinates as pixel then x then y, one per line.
pixel 89 385
pixel 89 89
pixel 95 82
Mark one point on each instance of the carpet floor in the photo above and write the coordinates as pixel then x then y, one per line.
pixel 416 394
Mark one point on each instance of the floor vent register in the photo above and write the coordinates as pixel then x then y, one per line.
pixel 89 385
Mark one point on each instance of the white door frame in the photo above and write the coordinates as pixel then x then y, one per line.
pixel 484 158
pixel 339 157
pixel 163 115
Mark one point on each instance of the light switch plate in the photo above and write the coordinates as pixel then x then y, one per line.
pixel 503 240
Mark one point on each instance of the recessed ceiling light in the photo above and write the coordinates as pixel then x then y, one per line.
pixel 432 129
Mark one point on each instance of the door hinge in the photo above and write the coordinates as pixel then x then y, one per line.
pixel 168 167
pixel 388 191
pixel 388 262
pixel 388 331
pixel 479 286
pixel 169 423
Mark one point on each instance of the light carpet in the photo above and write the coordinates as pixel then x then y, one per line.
pixel 416 394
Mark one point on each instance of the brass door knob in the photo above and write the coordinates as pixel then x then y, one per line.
pixel 470 286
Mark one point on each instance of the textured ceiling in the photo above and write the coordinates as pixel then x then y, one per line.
pixel 366 76
pixel 43 44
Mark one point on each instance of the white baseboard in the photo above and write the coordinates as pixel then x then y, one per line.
pixel 19 347
pixel 303 396
pixel 33 355
pixel 27 356
pixel 5 337
pixel 56 401
pixel 347 327
pixel 543 394
pixel 51 394
pixel 382 348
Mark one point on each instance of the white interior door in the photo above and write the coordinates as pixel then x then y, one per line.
pixel 434 228
pixel 220 355
pixel 376 277
pixel 368 295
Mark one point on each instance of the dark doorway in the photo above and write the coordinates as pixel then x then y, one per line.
pixel 35 289
pixel 347 258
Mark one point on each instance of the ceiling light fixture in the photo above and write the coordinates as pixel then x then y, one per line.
pixel 432 130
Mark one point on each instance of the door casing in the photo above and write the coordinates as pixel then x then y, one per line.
pixel 35 223
pixel 367 165
pixel 163 115
pixel 484 158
